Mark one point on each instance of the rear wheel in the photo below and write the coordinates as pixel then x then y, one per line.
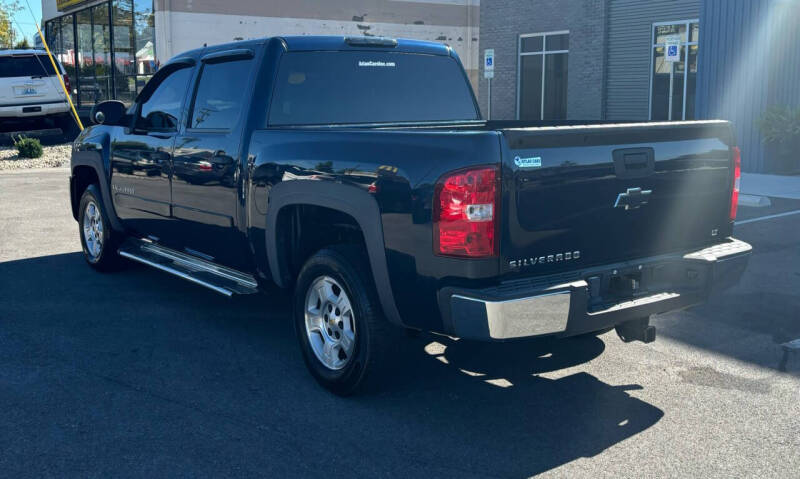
pixel 342 333
pixel 98 240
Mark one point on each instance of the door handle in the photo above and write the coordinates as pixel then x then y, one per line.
pixel 633 162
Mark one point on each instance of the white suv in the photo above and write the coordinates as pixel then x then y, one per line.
pixel 29 88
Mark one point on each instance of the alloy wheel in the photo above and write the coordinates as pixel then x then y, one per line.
pixel 93 230
pixel 330 323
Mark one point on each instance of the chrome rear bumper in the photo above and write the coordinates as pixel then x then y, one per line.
pixel 535 308
pixel 545 313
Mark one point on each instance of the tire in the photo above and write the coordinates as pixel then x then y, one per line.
pixel 98 241
pixel 357 341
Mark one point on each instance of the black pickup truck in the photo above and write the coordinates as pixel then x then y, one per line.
pixel 358 174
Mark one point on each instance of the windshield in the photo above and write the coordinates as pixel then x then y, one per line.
pixel 369 87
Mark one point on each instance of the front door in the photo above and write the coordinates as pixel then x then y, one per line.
pixel 207 163
pixel 141 156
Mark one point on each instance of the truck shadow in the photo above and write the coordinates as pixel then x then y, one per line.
pixel 514 409
pixel 143 351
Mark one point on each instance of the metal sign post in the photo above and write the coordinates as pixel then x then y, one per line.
pixel 488 73
pixel 672 55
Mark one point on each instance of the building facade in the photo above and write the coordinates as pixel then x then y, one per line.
pixel 634 60
pixel 749 62
pixel 110 48
pixel 546 63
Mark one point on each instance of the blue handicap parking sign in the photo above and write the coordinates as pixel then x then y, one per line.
pixel 672 51
pixel 489 61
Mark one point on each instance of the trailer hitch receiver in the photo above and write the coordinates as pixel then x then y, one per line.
pixel 636 330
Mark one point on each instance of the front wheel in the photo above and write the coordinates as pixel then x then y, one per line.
pixel 342 333
pixel 98 240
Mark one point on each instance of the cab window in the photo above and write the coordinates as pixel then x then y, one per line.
pixel 220 95
pixel 162 111
pixel 320 88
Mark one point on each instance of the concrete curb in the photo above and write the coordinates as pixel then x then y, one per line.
pixel 754 201
pixel 774 186
pixel 17 171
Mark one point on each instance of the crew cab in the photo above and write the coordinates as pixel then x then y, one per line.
pixel 30 90
pixel 358 174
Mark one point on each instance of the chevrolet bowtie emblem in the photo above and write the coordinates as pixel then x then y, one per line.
pixel 633 198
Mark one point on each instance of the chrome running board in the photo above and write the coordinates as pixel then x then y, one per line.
pixel 217 278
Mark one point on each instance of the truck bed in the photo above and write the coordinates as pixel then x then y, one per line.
pixel 561 181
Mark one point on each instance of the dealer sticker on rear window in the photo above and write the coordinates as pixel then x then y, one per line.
pixel 531 162
pixel 372 63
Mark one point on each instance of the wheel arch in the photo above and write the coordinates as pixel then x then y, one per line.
pixel 346 199
pixel 91 161
pixel 82 177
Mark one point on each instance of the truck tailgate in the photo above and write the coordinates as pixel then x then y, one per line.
pixel 581 196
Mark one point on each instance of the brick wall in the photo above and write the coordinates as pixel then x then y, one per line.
pixel 501 23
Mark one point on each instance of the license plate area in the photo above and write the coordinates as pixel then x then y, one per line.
pixel 25 91
pixel 614 286
pixel 625 286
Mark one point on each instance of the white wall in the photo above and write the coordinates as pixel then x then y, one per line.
pixel 180 31
pixel 49 10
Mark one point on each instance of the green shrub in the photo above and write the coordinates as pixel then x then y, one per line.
pixel 28 147
pixel 780 124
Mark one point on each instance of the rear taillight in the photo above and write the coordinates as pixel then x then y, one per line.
pixel 66 83
pixel 737 178
pixel 465 213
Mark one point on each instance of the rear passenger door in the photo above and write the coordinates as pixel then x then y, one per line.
pixel 207 162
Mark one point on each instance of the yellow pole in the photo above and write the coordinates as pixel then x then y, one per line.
pixel 60 80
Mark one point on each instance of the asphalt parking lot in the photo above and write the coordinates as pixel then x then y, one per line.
pixel 140 374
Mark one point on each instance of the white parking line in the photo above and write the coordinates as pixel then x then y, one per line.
pixel 768 217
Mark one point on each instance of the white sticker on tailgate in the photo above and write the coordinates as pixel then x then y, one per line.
pixel 532 162
pixel 27 91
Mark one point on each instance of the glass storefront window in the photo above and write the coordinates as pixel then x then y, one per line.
pixel 134 46
pixel 124 66
pixel 87 89
pixel 108 61
pixel 543 75
pixel 145 37
pixel 101 41
pixel 52 29
pixel 67 57
pixel 61 40
pixel 662 32
pixel 673 84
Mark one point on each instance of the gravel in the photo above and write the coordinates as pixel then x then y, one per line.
pixel 54 157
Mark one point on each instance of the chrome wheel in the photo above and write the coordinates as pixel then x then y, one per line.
pixel 93 230
pixel 330 324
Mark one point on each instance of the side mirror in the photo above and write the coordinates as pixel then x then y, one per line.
pixel 109 112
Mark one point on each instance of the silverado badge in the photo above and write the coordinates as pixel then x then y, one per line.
pixel 550 258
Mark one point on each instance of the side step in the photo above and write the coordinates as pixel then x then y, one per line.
pixel 218 278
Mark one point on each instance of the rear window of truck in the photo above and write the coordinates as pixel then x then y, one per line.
pixel 25 66
pixel 317 88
